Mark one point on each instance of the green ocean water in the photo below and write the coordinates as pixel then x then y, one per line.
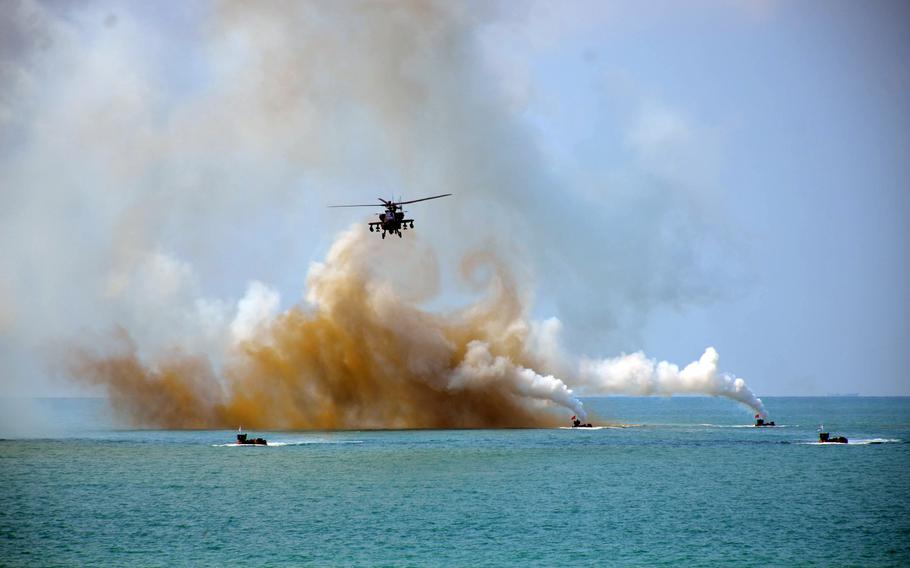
pixel 691 485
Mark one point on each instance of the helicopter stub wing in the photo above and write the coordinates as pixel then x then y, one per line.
pixel 402 221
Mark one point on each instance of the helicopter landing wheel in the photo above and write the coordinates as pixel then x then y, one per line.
pixel 399 234
pixel 371 228
pixel 383 234
pixel 412 224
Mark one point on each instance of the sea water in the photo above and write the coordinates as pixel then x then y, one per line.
pixel 688 483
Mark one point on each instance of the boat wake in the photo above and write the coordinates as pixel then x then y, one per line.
pixel 748 426
pixel 604 427
pixel 859 442
pixel 291 443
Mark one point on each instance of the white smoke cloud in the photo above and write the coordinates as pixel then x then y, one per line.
pixel 636 374
pixel 254 310
pixel 480 366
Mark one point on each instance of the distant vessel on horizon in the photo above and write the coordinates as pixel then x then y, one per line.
pixel 843 394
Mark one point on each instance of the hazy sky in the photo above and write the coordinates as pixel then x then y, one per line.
pixel 670 178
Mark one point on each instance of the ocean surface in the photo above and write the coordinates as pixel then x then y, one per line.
pixel 689 484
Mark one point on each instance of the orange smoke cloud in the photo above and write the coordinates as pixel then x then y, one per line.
pixel 357 357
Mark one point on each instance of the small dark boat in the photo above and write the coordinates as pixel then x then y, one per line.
pixel 243 440
pixel 825 438
pixel 760 423
pixel 576 423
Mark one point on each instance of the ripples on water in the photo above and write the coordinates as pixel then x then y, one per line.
pixel 692 484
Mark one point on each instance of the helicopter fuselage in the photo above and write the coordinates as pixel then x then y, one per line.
pixel 391 221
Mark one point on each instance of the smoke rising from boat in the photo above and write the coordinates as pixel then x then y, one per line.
pixel 636 374
pixel 358 355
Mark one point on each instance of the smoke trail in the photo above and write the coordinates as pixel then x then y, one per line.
pixel 360 357
pixel 635 374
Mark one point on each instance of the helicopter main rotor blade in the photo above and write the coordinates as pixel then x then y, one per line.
pixel 386 203
pixel 422 199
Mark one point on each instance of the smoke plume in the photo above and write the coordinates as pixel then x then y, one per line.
pixel 360 356
pixel 635 374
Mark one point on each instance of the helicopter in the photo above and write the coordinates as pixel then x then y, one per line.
pixel 392 221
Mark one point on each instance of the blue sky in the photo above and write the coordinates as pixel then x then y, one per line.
pixel 675 176
pixel 799 111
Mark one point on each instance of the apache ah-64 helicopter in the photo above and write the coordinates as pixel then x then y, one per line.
pixel 392 221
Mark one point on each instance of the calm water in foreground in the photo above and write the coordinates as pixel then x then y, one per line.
pixel 689 486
